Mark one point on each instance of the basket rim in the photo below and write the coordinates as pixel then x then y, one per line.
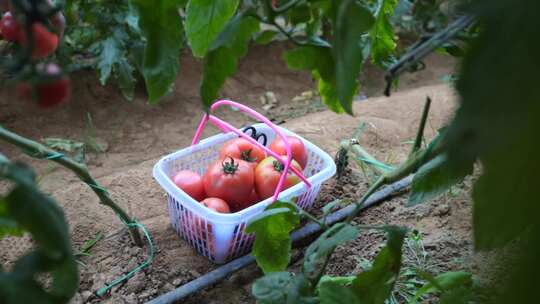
pixel 184 199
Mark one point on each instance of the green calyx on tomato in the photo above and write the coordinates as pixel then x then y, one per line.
pixel 246 155
pixel 279 166
pixel 229 167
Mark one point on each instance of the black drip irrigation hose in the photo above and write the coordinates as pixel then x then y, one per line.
pixel 425 48
pixel 224 271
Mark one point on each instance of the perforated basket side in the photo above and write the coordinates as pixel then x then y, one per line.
pixel 221 237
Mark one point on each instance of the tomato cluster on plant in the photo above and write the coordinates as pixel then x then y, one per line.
pixel 37 36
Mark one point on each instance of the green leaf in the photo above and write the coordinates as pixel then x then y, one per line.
pixel 299 14
pixel 319 60
pixel 381 35
pixel 126 81
pixel 283 287
pixel 205 20
pixel 326 209
pixel 319 251
pixel 43 218
pixel 333 292
pixel 222 59
pixel 353 20
pixel 375 285
pixel 435 178
pixel 63 144
pixel 265 37
pixel 109 54
pixel 272 248
pixel 500 67
pixel 444 282
pixel 8 226
pixel 161 26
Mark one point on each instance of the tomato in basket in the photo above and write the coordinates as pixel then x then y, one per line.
pixel 241 148
pixel 231 180
pixel 254 197
pixel 216 204
pixel 298 150
pixel 267 176
pixel 191 182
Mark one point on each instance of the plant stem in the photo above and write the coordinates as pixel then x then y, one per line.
pixel 285 7
pixel 312 218
pixel 420 134
pixel 38 150
pixel 360 153
pixel 410 166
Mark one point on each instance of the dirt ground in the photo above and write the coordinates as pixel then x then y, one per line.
pixel 135 135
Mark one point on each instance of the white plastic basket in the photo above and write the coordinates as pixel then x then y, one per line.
pixel 219 236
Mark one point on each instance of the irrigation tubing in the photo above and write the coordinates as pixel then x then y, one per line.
pixel 425 48
pixel 224 271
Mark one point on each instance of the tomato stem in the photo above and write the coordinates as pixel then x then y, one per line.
pixel 229 167
pixel 278 166
pixel 246 155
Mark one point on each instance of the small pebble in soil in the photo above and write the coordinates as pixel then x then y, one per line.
pixel 77 299
pixel 167 287
pixel 86 295
pixel 178 281
pixel 130 298
pixel 132 264
pixel 136 283
pixel 441 210
pixel 134 251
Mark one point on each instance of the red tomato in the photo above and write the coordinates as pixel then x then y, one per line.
pixel 231 180
pixel 254 197
pixel 45 42
pixel 191 182
pixel 216 204
pixel 267 176
pixel 9 28
pixel 49 92
pixel 298 150
pixel 242 149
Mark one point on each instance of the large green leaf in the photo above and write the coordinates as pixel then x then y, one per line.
pixel 436 177
pixel 381 35
pixel 320 62
pixel 319 252
pixel 283 288
pixel 225 51
pixel 205 20
pixel 126 80
pixel 8 225
pixel 161 26
pixel 335 292
pixel 498 121
pixel 375 285
pixel 38 214
pixel 446 282
pixel 352 21
pixel 109 55
pixel 272 248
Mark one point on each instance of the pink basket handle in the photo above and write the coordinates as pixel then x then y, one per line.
pixel 226 127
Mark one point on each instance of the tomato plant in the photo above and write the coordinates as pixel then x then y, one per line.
pixel 44 42
pixel 53 89
pixel 9 28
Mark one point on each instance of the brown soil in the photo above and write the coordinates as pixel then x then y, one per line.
pixel 136 135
